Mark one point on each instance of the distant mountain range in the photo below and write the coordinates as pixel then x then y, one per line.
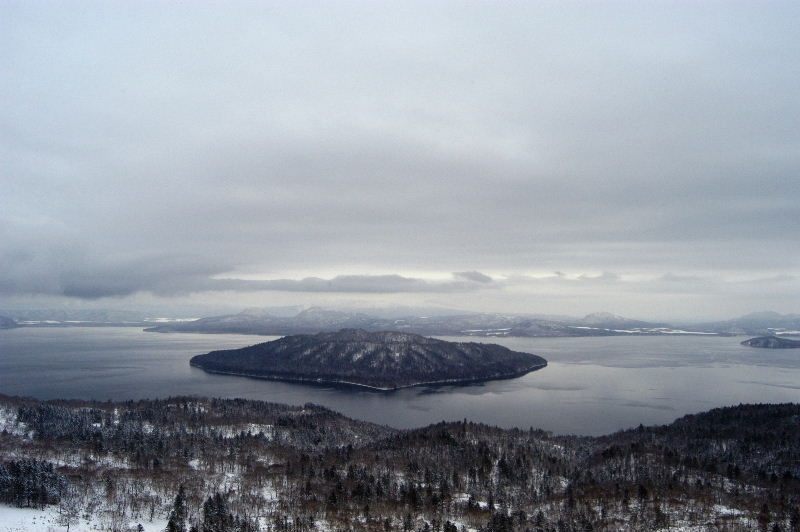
pixel 287 320
pixel 375 360
pixel 757 323
pixel 318 319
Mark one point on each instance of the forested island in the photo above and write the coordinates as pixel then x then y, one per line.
pixel 239 466
pixel 374 360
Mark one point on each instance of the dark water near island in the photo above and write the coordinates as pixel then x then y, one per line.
pixel 591 386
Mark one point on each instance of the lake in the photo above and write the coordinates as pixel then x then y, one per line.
pixel 591 386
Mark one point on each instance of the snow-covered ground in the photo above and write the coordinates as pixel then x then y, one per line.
pixel 47 520
pixel 27 519
pixel 8 423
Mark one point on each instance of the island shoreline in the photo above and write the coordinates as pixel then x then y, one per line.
pixel 367 387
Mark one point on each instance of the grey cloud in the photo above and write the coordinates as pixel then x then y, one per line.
pixel 673 278
pixel 166 148
pixel 773 279
pixel 79 274
pixel 606 277
pixel 477 277
pixel 379 284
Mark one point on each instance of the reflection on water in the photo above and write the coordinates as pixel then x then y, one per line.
pixel 591 385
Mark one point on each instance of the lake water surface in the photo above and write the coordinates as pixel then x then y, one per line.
pixel 591 385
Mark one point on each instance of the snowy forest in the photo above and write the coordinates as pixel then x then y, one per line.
pixel 190 463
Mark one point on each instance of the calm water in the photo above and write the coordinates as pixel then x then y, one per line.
pixel 591 386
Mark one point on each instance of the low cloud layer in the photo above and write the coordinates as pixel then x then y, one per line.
pixel 356 284
pixel 177 149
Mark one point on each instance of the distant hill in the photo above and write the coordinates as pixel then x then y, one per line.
pixel 311 320
pixel 7 323
pixel 758 323
pixel 613 321
pixel 608 324
pixel 772 342
pixel 377 360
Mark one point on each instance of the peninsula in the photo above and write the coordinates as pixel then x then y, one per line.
pixel 772 342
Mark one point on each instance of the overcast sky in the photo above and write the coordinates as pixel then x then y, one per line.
pixel 636 157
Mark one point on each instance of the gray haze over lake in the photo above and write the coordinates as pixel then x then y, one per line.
pixel 591 385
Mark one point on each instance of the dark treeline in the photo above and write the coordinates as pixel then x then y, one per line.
pixel 235 465
pixel 30 483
